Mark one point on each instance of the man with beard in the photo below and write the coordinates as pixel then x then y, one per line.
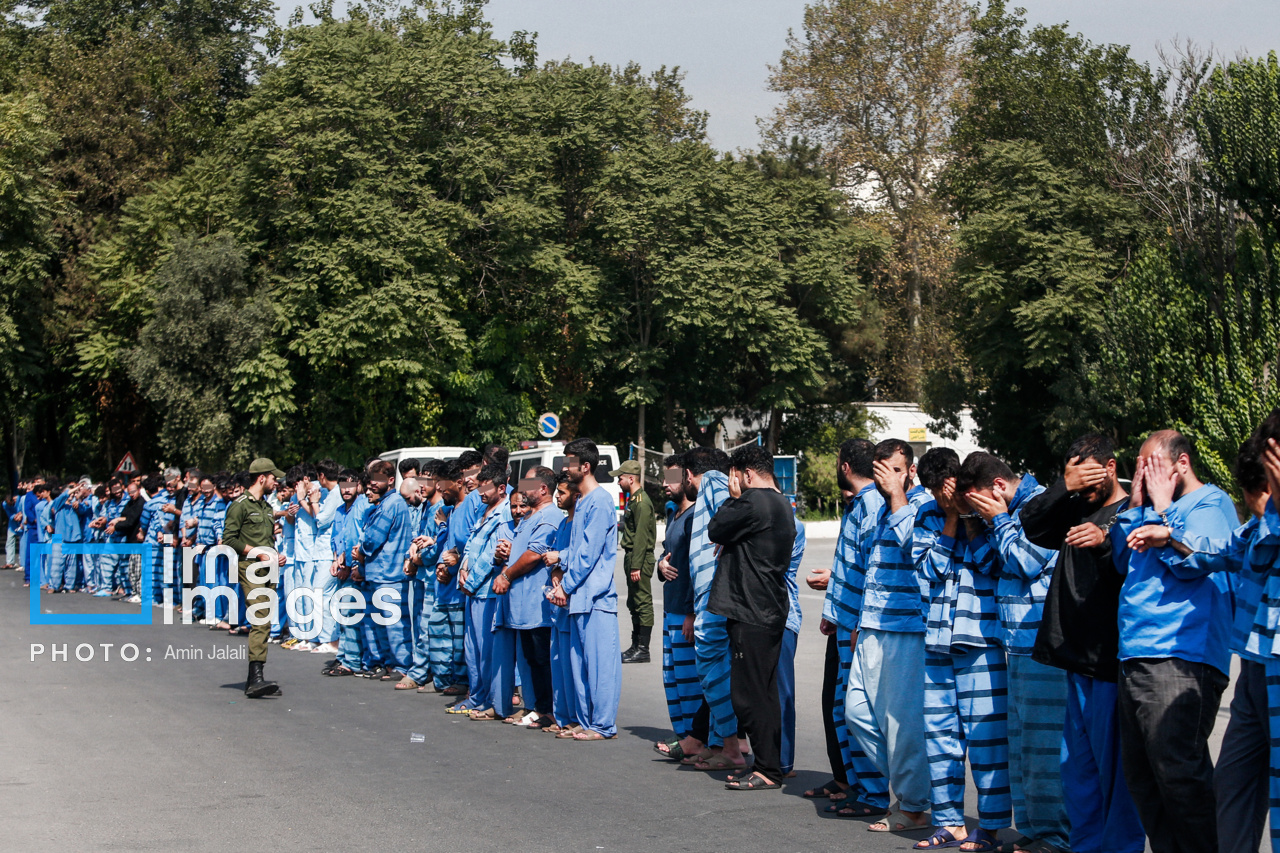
pixel 383 546
pixel 347 528
pixel 563 698
pixel 1079 632
pixel 448 624
pixel 428 542
pixel 1174 649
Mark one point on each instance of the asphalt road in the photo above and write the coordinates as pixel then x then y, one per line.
pixel 168 754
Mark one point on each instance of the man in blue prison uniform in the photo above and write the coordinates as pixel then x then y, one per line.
pixel 29 501
pixel 383 547
pixel 868 790
pixel 348 527
pixel 884 708
pixel 524 607
pixel 1037 693
pixel 707 469
pixel 44 530
pixel 479 565
pixel 210 517
pixel 564 698
pixel 966 685
pixel 679 664
pixel 448 621
pixel 1175 638
pixel 428 542
pixel 72 512
pixel 188 521
pixel 592 600
pixel 318 501
pixel 152 524
pixel 506 666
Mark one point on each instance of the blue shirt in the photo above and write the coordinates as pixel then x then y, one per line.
pixel 842 604
pixel 459 530
pixel 1249 563
pixel 525 605
pixel 677 594
pixel 1266 551
pixel 593 551
pixel 386 540
pixel 14 509
pixel 1025 572
pixel 481 547
pixel 793 586
pixel 44 520
pixel 895 597
pixel 68 522
pixel 313 536
pixel 1162 615
pixel 211 517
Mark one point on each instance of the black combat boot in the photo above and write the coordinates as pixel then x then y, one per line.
pixel 627 655
pixel 256 686
pixel 640 654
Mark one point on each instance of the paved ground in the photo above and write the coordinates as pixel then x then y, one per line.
pixel 169 755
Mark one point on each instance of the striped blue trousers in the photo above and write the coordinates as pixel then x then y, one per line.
pixel 711 648
pixel 867 782
pixel 446 630
pixel 966 696
pixel 1037 716
pixel 679 675
pixel 1273 709
pixel 350 641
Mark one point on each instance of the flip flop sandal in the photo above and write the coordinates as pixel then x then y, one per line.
pixel 941 837
pixel 691 760
pixel 484 716
pixel 453 690
pixel 985 841
pixel 542 724
pixel 339 670
pixel 406 683
pixel 832 787
pixel 673 752
pixel 896 817
pixel 717 762
pixel 589 735
pixel 567 734
pixel 458 709
pixel 857 808
pixel 392 675
pixel 752 782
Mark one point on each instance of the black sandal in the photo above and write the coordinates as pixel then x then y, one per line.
pixel 752 782
pixel 855 808
pixel 832 787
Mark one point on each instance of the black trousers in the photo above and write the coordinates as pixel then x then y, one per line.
pixel 753 687
pixel 830 681
pixel 536 644
pixel 1167 710
pixel 1243 771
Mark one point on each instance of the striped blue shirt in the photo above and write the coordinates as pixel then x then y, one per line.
pixel 712 491
pixel 1248 567
pixel 1025 570
pixel 895 597
pixel 1263 633
pixel 793 586
pixel 843 602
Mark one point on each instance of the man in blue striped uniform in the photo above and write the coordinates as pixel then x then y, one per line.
pixel 868 790
pixel 1037 693
pixel 152 524
pixel 679 664
pixel 966 686
pixel 383 548
pixel 424 553
pixel 884 708
pixel 347 529
pixel 72 511
pixel 448 623
pixel 564 699
pixel 707 469
pixel 478 565
pixel 210 517
pixel 1175 640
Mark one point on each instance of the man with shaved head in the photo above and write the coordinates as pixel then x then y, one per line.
pixel 1174 647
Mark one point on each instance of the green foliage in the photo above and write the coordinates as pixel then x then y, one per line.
pixel 815 433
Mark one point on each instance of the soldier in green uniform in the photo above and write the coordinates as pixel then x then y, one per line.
pixel 251 524
pixel 639 536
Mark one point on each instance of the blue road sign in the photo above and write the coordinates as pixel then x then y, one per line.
pixel 548 425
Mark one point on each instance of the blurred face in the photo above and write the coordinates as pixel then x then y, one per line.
pixel 378 485
pixel 489 493
pixel 469 478
pixel 450 491
pixel 1100 495
pixel 1181 465
pixel 427 488
pixel 206 488
pixel 898 464
pixel 193 482
pixel 348 489
pixel 116 490
pixel 576 470
pixel 673 483
pixel 133 489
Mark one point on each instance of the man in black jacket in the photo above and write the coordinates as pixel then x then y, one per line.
pixel 755 529
pixel 1079 632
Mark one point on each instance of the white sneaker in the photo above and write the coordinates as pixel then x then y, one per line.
pixel 134 599
pixel 208 620
pixel 304 646
pixel 325 649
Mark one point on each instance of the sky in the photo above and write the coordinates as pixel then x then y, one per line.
pixel 725 47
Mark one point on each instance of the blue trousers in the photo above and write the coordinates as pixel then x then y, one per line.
pixel 1273 707
pixel 501 669
pixel 420 616
pixel 1242 775
pixel 1037 716
pixel 868 784
pixel 966 700
pixel 373 637
pixel 446 628
pixel 28 539
pixel 680 675
pixel 884 711
pixel 1099 809
pixel 350 645
pixel 480 650
pixel 711 647
pixel 400 633
pixel 564 697
pixel 329 586
pixel 221 577
pixel 596 661
pixel 68 574
pixel 787 698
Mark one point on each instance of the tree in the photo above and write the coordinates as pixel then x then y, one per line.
pixel 876 83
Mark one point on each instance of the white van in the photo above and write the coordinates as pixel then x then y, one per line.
pixel 420 453
pixel 550 454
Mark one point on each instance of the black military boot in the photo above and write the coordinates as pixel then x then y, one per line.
pixel 640 654
pixel 627 655
pixel 256 686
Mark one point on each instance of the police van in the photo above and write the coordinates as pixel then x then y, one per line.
pixel 444 454
pixel 550 454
